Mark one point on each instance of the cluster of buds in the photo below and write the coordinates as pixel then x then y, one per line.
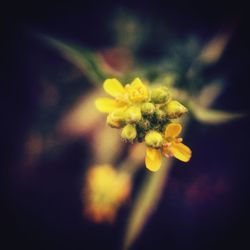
pixel 142 113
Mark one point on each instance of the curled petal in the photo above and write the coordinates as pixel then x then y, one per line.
pixel 113 87
pixel 173 130
pixel 138 91
pixel 181 151
pixel 136 82
pixel 107 105
pixel 153 159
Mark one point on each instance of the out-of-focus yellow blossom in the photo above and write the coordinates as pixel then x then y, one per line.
pixel 172 146
pixel 123 96
pixel 106 189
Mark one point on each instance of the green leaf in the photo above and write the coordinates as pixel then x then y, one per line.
pixel 145 203
pixel 212 117
pixel 84 59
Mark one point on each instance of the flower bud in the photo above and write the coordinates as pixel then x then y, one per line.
pixel 115 119
pixel 154 139
pixel 147 108
pixel 175 109
pixel 128 133
pixel 144 124
pixel 160 115
pixel 133 114
pixel 160 95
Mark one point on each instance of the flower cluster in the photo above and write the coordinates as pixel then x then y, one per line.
pixel 145 115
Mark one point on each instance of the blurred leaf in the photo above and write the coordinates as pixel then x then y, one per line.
pixel 211 53
pixel 213 50
pixel 209 93
pixel 106 140
pixel 145 203
pixel 82 58
pixel 82 118
pixel 213 117
pixel 116 61
pixel 129 32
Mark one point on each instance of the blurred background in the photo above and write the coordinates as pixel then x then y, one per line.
pixel 52 133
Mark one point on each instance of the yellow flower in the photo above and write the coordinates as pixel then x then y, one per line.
pixel 138 92
pixel 106 189
pixel 172 146
pixel 131 94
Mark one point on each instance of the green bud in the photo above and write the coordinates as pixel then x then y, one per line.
pixel 144 124
pixel 147 108
pixel 154 139
pixel 175 109
pixel 115 119
pixel 160 115
pixel 128 133
pixel 160 95
pixel 133 114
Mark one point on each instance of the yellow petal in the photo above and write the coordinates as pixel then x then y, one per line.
pixel 137 82
pixel 173 130
pixel 181 151
pixel 113 87
pixel 107 105
pixel 138 92
pixel 153 159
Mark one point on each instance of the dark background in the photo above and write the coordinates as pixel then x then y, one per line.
pixel 46 212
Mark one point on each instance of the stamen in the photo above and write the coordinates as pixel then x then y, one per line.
pixel 168 155
pixel 179 140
